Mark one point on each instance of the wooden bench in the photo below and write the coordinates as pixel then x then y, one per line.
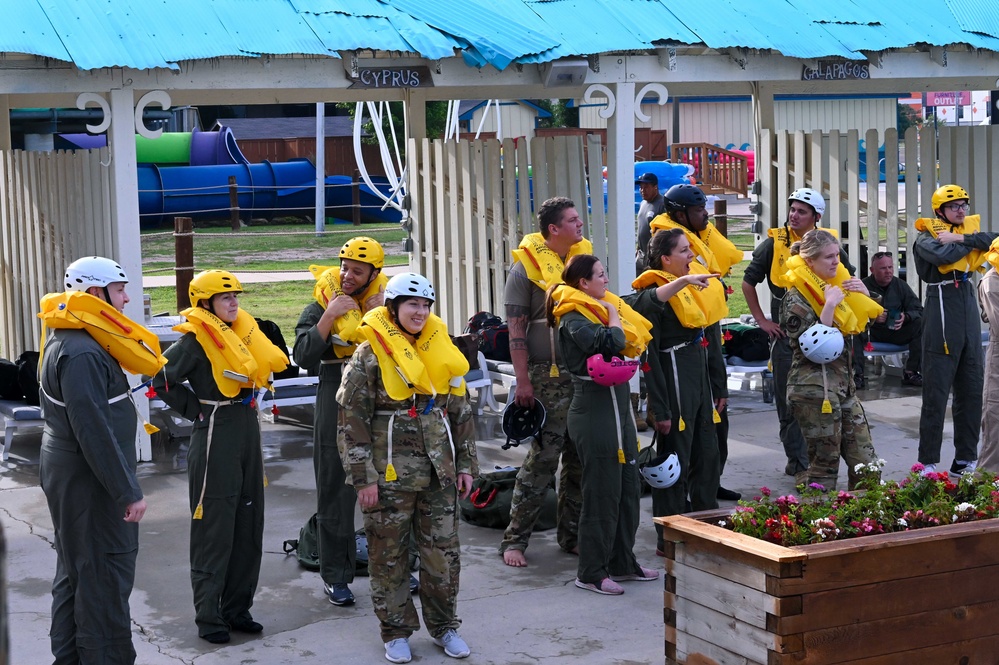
pixel 17 415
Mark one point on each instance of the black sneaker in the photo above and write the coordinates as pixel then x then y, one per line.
pixel 960 467
pixel 728 495
pixel 860 381
pixel 912 379
pixel 218 637
pixel 245 625
pixel 339 594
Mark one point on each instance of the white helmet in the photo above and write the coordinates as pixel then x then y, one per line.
pixel 409 284
pixel 93 271
pixel 811 197
pixel 821 344
pixel 661 472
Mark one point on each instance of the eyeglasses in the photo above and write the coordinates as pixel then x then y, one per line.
pixel 880 255
pixel 963 207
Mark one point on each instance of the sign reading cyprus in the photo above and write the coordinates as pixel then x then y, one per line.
pixel 836 70
pixel 393 77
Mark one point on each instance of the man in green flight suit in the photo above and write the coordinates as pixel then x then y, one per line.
pixel 323 342
pixel 948 250
pixel 87 471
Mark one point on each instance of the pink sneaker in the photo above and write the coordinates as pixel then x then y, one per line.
pixel 606 586
pixel 647 575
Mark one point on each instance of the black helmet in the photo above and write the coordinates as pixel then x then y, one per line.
pixel 521 423
pixel 681 197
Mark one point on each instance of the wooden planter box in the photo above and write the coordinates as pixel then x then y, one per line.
pixel 921 597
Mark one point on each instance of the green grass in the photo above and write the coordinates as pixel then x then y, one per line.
pixel 249 249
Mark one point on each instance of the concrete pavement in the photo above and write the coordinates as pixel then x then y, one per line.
pixel 510 616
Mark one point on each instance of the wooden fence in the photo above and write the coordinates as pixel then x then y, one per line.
pixel 472 201
pixel 54 208
pixel 884 218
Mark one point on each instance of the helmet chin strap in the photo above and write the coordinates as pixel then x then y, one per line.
pixel 371 278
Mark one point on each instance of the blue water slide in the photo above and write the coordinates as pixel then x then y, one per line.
pixel 267 189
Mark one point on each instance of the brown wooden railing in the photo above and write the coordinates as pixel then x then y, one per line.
pixel 714 168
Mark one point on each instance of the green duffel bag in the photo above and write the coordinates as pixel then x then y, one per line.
pixel 489 502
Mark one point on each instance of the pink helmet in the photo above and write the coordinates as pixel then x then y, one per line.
pixel 611 372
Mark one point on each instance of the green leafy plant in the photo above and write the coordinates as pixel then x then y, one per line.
pixel 917 501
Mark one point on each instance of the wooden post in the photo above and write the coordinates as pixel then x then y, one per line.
pixel 183 244
pixel 233 204
pixel 355 198
pixel 721 216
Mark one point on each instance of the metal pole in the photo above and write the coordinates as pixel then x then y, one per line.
pixel 721 216
pixel 320 167
pixel 355 198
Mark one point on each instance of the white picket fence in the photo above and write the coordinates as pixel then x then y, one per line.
pixel 885 216
pixel 54 207
pixel 472 201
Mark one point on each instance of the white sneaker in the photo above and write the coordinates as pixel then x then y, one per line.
pixel 929 468
pixel 453 645
pixel 397 651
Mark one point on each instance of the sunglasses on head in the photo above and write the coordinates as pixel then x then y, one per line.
pixel 880 255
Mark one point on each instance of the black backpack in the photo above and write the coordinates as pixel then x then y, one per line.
pixel 27 376
pixel 273 332
pixel 10 387
pixel 746 342
pixel 493 334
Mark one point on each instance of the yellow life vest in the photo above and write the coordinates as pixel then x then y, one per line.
pixel 992 256
pixel 851 315
pixel 241 350
pixel 636 327
pixel 715 251
pixel 135 347
pixel 783 239
pixel 328 288
pixel 687 306
pixel 974 259
pixel 432 366
pixel 544 267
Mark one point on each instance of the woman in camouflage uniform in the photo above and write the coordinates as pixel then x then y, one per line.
pixel 823 397
pixel 406 437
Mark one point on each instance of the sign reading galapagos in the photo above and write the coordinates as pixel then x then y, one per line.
pixel 393 77
pixel 837 70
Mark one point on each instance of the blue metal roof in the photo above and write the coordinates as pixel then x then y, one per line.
pixel 145 34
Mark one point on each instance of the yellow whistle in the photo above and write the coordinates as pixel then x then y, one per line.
pixel 390 474
pixel 715 417
pixel 553 372
pixel 826 406
pixel 620 456
pixel 150 428
pixel 199 512
pixel 683 425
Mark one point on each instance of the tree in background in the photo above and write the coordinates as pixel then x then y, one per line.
pixel 436 121
pixel 907 117
pixel 562 114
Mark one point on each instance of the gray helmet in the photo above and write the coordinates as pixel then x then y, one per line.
pixel 681 197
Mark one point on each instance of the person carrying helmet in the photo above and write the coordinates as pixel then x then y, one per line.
pixel 538 263
pixel 769 262
pixel 601 338
pixel 685 209
pixel 325 337
pixel 823 306
pixel 407 441
pixel 224 357
pixel 679 297
pixel 87 464
pixel 949 249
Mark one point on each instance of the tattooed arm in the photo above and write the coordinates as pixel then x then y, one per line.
pixel 517 318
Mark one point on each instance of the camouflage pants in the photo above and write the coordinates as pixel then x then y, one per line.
pixel 540 465
pixel 844 432
pixel 430 517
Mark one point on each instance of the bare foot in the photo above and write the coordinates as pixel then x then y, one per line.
pixel 515 558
